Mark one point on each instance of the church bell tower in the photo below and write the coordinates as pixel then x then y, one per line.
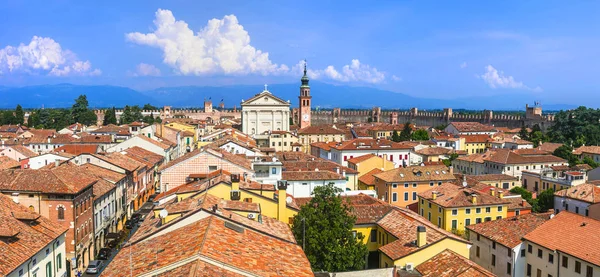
pixel 305 99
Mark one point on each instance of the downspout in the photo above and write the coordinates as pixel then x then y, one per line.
pixel 54 256
pixel 558 264
pixel 514 258
pixel 29 268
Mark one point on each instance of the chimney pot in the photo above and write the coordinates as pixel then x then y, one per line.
pixel 421 236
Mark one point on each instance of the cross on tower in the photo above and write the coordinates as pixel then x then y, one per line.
pixel 266 87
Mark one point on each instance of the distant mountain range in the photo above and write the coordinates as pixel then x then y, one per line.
pixel 324 96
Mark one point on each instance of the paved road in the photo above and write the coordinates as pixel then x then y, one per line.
pixel 144 210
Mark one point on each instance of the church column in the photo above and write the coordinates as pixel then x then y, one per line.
pixel 256 122
pixel 272 120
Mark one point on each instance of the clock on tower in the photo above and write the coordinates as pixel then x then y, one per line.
pixel 304 101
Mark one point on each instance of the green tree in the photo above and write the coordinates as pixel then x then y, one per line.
pixel 523 134
pixel 34 119
pixel 589 161
pixel 420 135
pixel 148 107
pixel 8 117
pixel 406 132
pixel 579 126
pixel 395 136
pixel 324 227
pixel 525 194
pixel 19 115
pixel 566 152
pixel 544 202
pixel 536 137
pixel 110 116
pixel 81 113
pixel 448 162
pixel 126 116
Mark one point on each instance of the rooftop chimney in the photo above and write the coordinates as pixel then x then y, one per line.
pixel 282 200
pixel 493 192
pixel 501 194
pixel 421 236
pixel 474 198
pixel 434 195
pixel 56 163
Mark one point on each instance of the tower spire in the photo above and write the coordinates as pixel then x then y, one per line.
pixel 304 78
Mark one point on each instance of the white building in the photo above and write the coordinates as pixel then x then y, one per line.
pixel 303 183
pixel 497 244
pixel 265 112
pixel 563 246
pixel 577 199
pixel 399 153
pixel 40 161
pixel 31 244
pixel 146 143
pixel 267 170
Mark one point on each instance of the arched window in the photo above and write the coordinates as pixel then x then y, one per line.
pixel 61 213
pixel 31 208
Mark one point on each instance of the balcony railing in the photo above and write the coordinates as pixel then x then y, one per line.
pixel 262 174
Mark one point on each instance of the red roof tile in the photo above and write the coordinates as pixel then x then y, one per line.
pixel 67 178
pixel 471 127
pixel 77 149
pixel 589 193
pixel 574 233
pixel 369 178
pixel 450 264
pixel 509 231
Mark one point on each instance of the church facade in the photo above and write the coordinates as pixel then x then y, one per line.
pixel 265 112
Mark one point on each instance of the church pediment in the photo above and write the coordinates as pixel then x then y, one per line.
pixel 265 98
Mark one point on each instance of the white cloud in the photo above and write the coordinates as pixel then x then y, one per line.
pixel 144 69
pixel 396 78
pixel 463 65
pixel 222 46
pixel 43 54
pixel 496 79
pixel 354 72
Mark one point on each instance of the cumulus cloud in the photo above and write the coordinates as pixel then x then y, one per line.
pixel 222 46
pixel 496 79
pixel 463 65
pixel 43 54
pixel 353 72
pixel 396 78
pixel 144 69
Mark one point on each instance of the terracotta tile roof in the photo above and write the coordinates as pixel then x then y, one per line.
pixel 369 178
pixel 517 203
pixel 549 146
pixel 402 224
pixel 574 231
pixel 237 160
pixel 298 161
pixel 121 161
pixel 136 124
pixel 450 264
pixel 471 127
pixel 450 195
pixel 531 152
pixel 506 156
pixel 67 179
pixel 371 144
pixel 77 149
pixel 359 159
pixel 416 174
pixel 102 173
pixel 198 268
pixel 589 193
pixel 44 133
pixel 112 129
pixel 245 142
pixel 9 128
pixel 95 139
pixel 509 231
pixel 475 158
pixel 101 187
pixel 320 130
pixel 386 127
pixel 587 149
pixel 367 209
pixel 163 145
pixel 253 185
pixel 492 177
pixel 434 151
pixel 476 138
pixel 584 167
pixel 6 163
pixel 324 145
pixel 24 151
pixel 28 240
pixel 144 156
pixel 311 175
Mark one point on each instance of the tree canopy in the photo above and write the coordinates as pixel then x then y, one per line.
pixel 576 127
pixel 81 113
pixel 110 117
pixel 406 132
pixel 325 226
pixel 420 135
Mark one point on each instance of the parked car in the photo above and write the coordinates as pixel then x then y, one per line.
pixel 129 224
pixel 151 198
pixel 104 253
pixel 94 267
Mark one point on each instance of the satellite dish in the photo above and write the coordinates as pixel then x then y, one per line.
pixel 163 213
pixel 288 200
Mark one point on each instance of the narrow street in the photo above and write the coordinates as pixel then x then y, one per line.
pixel 144 210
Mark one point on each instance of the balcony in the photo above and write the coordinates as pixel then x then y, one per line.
pixel 262 174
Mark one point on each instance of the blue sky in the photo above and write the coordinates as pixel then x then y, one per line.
pixel 431 49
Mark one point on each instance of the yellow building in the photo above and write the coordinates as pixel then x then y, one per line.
pixel 396 236
pixel 367 180
pixel 272 200
pixel 283 141
pixel 322 133
pixel 453 207
pixel 366 163
pixel 501 181
pixel 385 130
pixel 475 143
